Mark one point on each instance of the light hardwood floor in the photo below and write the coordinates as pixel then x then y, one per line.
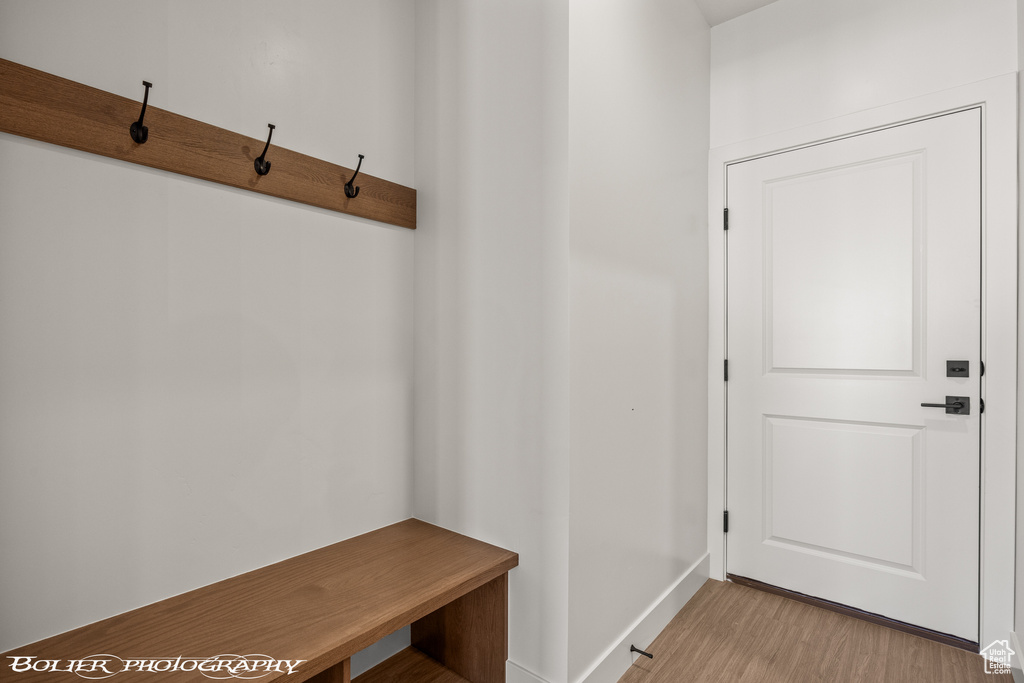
pixel 733 634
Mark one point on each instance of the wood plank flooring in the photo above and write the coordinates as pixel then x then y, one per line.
pixel 733 634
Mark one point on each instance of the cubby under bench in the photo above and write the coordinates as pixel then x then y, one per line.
pixel 321 607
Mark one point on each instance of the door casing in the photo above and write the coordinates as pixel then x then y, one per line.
pixel 998 100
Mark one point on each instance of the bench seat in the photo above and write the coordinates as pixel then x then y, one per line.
pixel 321 607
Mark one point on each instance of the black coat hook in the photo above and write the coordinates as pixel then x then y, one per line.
pixel 350 190
pixel 139 132
pixel 261 164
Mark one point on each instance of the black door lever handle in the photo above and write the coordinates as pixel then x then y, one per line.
pixel 954 405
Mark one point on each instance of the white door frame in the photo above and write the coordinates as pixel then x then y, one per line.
pixel 998 100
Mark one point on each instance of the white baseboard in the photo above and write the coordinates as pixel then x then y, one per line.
pixel 517 674
pixel 1017 660
pixel 614 662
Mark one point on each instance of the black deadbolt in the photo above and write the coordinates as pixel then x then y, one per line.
pixel 958 368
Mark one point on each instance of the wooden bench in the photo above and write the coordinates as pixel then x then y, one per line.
pixel 321 607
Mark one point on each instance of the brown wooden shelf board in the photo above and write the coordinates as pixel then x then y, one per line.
pixel 41 106
pixel 409 666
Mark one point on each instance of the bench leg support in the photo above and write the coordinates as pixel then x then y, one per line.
pixel 339 673
pixel 470 634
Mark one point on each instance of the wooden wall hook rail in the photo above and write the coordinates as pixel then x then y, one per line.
pixel 38 105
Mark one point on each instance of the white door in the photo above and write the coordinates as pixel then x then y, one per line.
pixel 854 271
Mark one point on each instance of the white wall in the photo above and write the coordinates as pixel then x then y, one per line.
pixel 196 381
pixel 638 122
pixel 799 61
pixel 1018 621
pixel 560 143
pixel 492 299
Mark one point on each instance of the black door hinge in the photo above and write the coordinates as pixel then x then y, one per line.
pixel 726 369
pixel 725 218
pixel 983 405
pixel 725 521
pixel 982 368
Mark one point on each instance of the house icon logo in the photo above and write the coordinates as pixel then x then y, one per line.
pixel 997 657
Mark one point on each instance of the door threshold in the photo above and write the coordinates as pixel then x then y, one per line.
pixel 871 617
